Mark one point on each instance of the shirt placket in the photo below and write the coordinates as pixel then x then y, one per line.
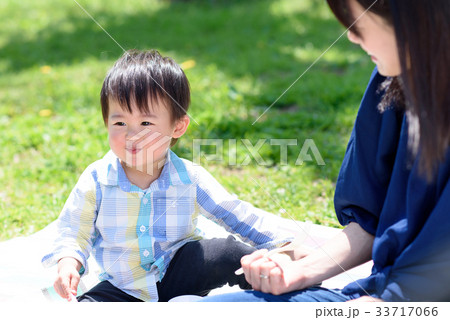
pixel 143 234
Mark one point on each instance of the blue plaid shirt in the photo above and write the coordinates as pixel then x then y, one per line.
pixel 135 233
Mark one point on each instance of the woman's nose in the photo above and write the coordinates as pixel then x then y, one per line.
pixel 352 37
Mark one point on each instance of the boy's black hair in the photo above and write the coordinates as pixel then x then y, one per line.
pixel 143 76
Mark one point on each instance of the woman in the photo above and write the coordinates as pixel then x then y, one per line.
pixel 393 190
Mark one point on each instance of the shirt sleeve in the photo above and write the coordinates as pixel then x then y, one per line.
pixel 365 173
pixel 421 271
pixel 76 223
pixel 254 226
pixel 379 187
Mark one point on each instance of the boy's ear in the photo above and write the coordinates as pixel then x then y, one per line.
pixel 181 127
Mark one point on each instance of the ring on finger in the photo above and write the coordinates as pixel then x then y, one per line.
pixel 263 276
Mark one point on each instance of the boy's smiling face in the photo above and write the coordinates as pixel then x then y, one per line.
pixel 141 140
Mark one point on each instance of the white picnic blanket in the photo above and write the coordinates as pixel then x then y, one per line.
pixel 22 277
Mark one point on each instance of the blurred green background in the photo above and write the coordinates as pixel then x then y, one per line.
pixel 239 56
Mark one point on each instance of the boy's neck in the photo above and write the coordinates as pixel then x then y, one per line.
pixel 142 179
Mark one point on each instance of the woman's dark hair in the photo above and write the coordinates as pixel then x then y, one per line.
pixel 143 76
pixel 422 30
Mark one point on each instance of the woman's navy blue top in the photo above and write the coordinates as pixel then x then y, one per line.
pixel 379 188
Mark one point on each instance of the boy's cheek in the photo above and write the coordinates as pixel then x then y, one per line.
pixel 115 138
pixel 117 145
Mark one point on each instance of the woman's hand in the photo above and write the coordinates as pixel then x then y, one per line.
pixel 276 274
pixel 66 283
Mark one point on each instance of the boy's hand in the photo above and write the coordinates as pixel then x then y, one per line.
pixel 68 277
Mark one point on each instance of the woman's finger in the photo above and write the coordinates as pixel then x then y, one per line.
pixel 277 283
pixel 248 260
pixel 254 273
pixel 265 275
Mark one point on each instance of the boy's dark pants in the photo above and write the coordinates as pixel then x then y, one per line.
pixel 197 268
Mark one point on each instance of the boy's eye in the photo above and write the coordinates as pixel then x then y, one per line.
pixel 146 123
pixel 119 123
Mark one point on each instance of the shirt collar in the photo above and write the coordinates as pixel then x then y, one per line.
pixel 174 173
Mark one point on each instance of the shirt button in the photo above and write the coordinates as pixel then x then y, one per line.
pixel 142 228
pixel 145 200
pixel 146 253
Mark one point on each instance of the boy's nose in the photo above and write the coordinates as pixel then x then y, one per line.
pixel 132 134
pixel 136 134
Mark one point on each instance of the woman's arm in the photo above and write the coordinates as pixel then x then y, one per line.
pixel 350 248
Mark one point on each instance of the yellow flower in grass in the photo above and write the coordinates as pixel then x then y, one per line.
pixel 46 69
pixel 188 64
pixel 45 113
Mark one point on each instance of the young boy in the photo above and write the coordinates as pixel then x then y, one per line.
pixel 136 209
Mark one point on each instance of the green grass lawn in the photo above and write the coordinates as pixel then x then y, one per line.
pixel 240 56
